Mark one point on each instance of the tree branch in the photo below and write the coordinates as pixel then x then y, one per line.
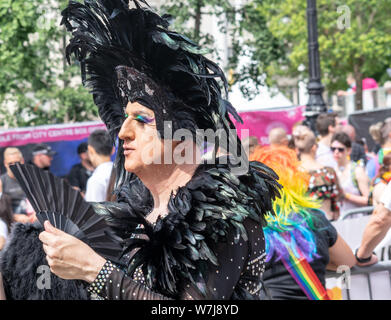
pixel 371 18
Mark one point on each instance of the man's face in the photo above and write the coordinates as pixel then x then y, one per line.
pixel 44 160
pixel 91 155
pixel 338 123
pixel 11 159
pixel 142 145
pixel 84 156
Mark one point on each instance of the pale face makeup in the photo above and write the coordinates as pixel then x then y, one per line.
pixel 142 144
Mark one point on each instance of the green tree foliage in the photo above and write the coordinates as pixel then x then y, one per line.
pixel 254 42
pixel 246 28
pixel 34 76
pixel 188 16
pixel 354 37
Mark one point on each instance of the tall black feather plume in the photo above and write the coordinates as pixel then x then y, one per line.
pixel 108 33
pixel 55 200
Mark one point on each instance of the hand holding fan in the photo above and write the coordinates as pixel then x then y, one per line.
pixel 55 200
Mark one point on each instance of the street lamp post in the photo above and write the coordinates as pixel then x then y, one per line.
pixel 316 104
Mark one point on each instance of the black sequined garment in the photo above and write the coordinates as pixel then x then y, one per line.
pixel 209 246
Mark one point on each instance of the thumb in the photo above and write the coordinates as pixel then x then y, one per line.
pixel 49 227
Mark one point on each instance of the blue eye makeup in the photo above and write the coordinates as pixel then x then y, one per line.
pixel 143 119
pixel 140 118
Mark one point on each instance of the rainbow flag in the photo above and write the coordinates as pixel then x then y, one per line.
pixel 301 271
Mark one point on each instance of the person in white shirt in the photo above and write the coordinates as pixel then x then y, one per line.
pixel 100 150
pixel 376 230
pixel 326 125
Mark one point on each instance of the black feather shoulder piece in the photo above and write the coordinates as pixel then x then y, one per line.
pixel 177 249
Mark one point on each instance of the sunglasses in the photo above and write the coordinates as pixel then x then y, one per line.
pixel 333 149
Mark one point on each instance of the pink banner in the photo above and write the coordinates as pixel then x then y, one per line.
pixel 259 123
pixel 48 133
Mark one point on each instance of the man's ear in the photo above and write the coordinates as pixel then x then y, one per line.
pixel 91 151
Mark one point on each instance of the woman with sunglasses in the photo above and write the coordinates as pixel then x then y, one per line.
pixel 352 176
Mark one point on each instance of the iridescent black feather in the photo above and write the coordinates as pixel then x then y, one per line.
pixel 108 33
pixel 178 248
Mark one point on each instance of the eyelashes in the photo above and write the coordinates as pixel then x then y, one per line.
pixel 141 118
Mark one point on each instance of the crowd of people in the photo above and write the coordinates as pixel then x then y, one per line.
pixel 344 174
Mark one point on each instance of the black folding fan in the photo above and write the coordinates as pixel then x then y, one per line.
pixel 53 199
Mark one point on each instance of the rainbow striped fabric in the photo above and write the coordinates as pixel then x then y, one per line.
pixel 301 271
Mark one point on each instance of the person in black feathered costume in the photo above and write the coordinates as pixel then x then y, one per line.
pixel 190 229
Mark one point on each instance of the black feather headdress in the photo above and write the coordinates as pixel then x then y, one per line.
pixel 129 54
